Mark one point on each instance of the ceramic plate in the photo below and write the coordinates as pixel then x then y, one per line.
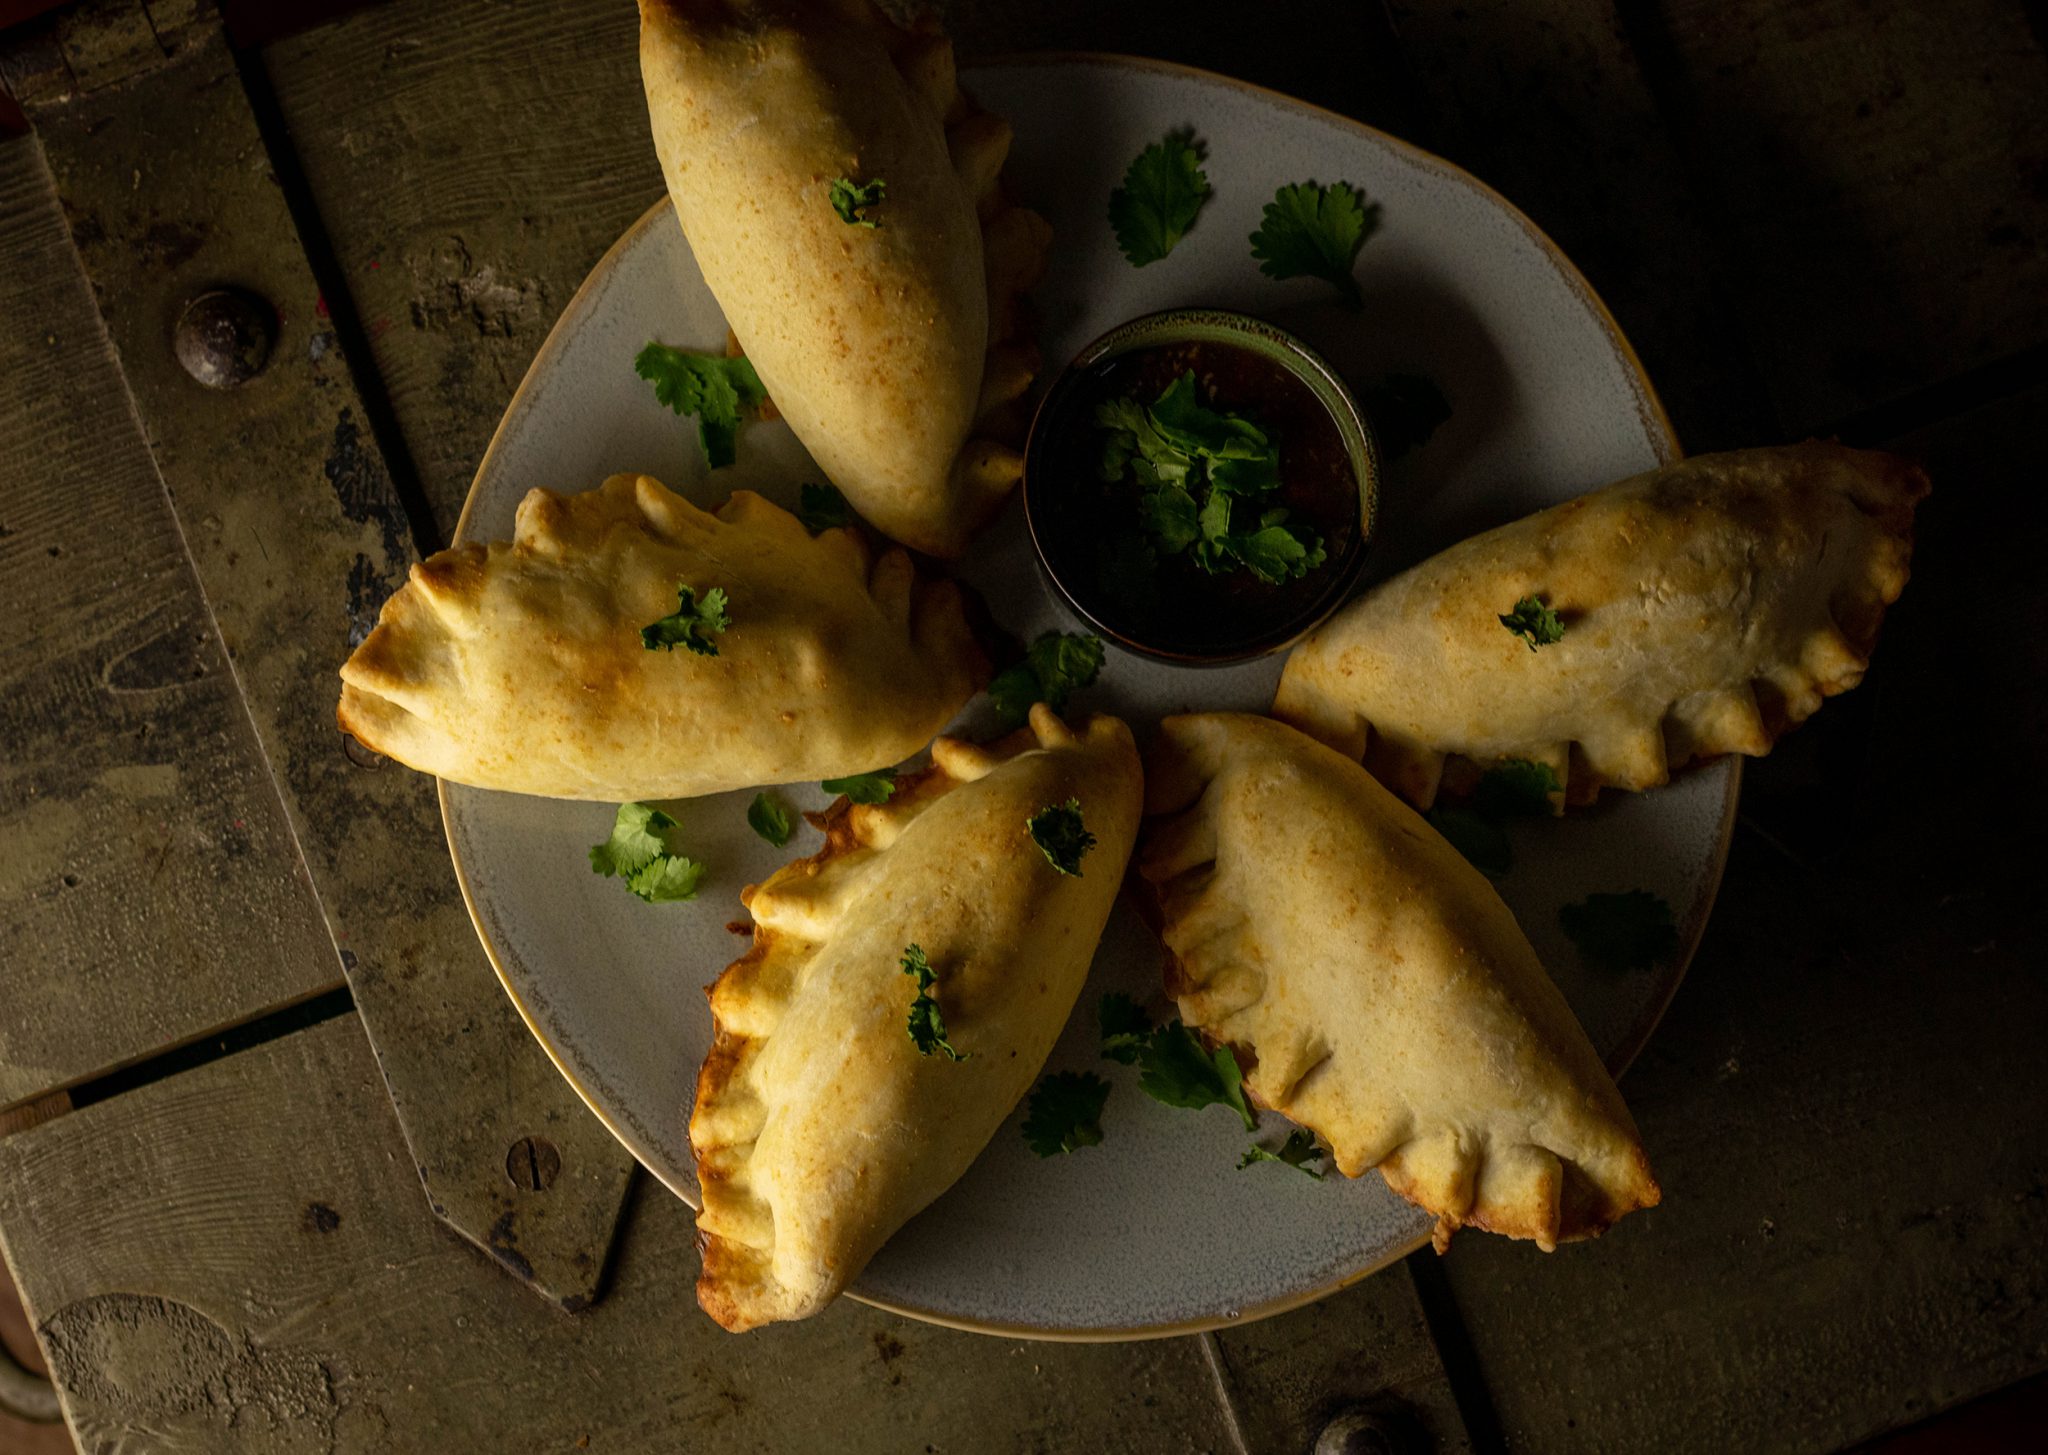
pixel 1156 1231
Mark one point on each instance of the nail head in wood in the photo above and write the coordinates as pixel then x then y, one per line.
pixel 224 336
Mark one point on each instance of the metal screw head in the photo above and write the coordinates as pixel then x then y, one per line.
pixel 224 336
pixel 1381 1427
pixel 533 1163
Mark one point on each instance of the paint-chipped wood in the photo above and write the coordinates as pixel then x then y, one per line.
pixel 150 890
pixel 275 1292
pixel 298 536
pixel 1845 1105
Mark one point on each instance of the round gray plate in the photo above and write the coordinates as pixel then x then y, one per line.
pixel 1155 1231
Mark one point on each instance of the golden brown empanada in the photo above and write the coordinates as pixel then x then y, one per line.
pixel 1707 607
pixel 1376 987
pixel 896 352
pixel 819 1127
pixel 520 665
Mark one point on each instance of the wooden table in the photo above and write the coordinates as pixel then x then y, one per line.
pixel 240 1223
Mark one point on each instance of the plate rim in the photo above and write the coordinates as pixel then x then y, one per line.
pixel 1664 441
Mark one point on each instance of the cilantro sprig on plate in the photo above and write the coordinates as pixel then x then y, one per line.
pixel 1299 1151
pixel 872 787
pixel 640 850
pixel 1163 190
pixel 720 391
pixel 1206 476
pixel 1513 788
pixel 771 818
pixel 1064 1112
pixel 821 507
pixel 1054 667
pixel 1313 231
pixel 1632 930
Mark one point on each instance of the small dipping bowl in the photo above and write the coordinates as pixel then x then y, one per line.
pixel 1090 534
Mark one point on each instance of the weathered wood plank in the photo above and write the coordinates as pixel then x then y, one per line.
pixel 275 1289
pixel 1845 1104
pixel 1548 103
pixel 291 518
pixel 1878 172
pixel 150 890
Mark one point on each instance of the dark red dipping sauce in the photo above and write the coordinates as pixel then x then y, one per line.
pixel 1087 527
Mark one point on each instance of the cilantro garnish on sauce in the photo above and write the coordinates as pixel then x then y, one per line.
pixel 872 787
pixel 1316 232
pixel 1065 1112
pixel 717 389
pixel 1205 476
pixel 927 1022
pixel 1298 1151
pixel 1163 190
pixel 851 200
pixel 1061 836
pixel 639 852
pixel 1055 666
pixel 821 507
pixel 771 819
pixel 1534 623
pixel 1632 930
pixel 690 624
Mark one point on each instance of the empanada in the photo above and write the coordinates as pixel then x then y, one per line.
pixel 520 665
pixel 1707 607
pixel 819 1128
pixel 1376 987
pixel 897 351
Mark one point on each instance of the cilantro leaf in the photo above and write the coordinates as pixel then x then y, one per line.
pixel 1055 666
pixel 872 787
pixel 1163 190
pixel 1298 1151
pixel 1481 840
pixel 1169 514
pixel 1517 788
pixel 821 507
pixel 1182 421
pixel 1632 930
pixel 851 199
pixel 639 836
pixel 1065 1112
pixel 771 819
pixel 1174 1068
pixel 689 624
pixel 716 389
pixel 1125 1027
pixel 1405 410
pixel 667 880
pixel 927 1022
pixel 638 852
pixel 1316 232
pixel 1535 623
pixel 1275 554
pixel 1061 836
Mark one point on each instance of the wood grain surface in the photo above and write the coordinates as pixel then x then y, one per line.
pixel 150 890
pixel 1808 216
pixel 298 533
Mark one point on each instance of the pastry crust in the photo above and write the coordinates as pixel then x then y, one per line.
pixel 819 1129
pixel 899 353
pixel 1708 607
pixel 519 665
pixel 1376 987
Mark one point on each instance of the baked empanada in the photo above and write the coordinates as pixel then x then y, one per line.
pixel 1707 607
pixel 893 343
pixel 819 1127
pixel 1376 987
pixel 520 665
